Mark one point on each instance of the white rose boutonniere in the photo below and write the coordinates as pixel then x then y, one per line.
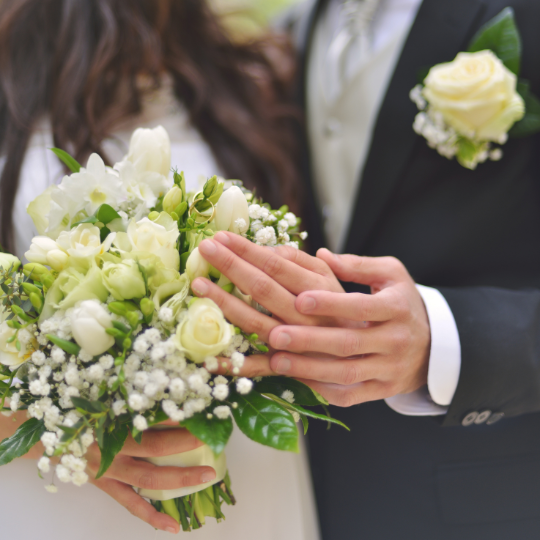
pixel 470 104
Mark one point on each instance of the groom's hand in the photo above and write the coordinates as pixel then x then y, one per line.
pixel 350 347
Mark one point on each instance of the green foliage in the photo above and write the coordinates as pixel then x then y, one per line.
pixel 501 36
pixel 530 123
pixel 70 162
pixel 113 442
pixel 303 395
pixel 265 421
pixel 21 441
pixel 214 431
pixel 68 346
pixel 106 213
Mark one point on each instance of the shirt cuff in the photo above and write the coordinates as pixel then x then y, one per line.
pixel 444 362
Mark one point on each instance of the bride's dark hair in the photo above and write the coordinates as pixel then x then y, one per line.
pixel 77 61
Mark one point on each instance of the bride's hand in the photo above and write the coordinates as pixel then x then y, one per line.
pixel 128 469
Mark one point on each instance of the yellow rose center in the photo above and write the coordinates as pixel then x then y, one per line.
pixel 207 329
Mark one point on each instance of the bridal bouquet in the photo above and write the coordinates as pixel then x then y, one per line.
pixel 101 337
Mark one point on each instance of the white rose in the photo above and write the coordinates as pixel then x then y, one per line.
pixel 232 211
pixel 197 265
pixel 150 150
pixel 84 241
pixel 204 331
pixel 9 355
pixel 45 250
pixel 7 261
pixel 88 323
pixel 476 94
pixel 155 237
pixel 124 280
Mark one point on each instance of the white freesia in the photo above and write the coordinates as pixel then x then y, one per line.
pixel 203 332
pixel 155 237
pixel 45 250
pixel 150 150
pixel 197 265
pixel 84 241
pixel 232 211
pixel 8 261
pixel 89 322
pixel 9 355
pixel 476 95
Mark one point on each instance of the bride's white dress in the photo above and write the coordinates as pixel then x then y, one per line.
pixel 273 488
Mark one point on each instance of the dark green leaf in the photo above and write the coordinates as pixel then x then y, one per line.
pixel 113 442
pixel 106 214
pixel 70 162
pixel 91 219
pixel 100 430
pixel 530 123
pixel 303 394
pixel 265 421
pixel 21 441
pixel 68 346
pixel 311 414
pixel 501 36
pixel 214 431
pixel 89 406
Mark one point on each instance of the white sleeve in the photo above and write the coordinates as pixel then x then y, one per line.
pixel 444 362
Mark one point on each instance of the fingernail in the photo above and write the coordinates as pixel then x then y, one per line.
pixel 208 247
pixel 200 287
pixel 283 365
pixel 222 238
pixel 282 340
pixel 171 530
pixel 207 476
pixel 308 304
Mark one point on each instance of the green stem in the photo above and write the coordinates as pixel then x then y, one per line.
pixel 169 508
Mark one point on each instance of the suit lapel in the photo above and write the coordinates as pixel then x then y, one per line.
pixel 442 28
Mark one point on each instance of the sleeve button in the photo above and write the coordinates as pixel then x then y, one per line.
pixel 482 417
pixel 495 417
pixel 469 419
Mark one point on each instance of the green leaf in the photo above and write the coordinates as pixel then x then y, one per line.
pixel 106 214
pixel 72 164
pixel 530 123
pixel 113 442
pixel 501 36
pixel 303 394
pixel 89 406
pixel 68 346
pixel 265 421
pixel 21 441
pixel 214 431
pixel 310 414
pixel 91 220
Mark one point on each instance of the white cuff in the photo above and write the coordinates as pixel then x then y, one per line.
pixel 444 362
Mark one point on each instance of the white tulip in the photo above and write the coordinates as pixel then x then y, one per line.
pixel 150 150
pixel 45 250
pixel 232 212
pixel 197 265
pixel 88 323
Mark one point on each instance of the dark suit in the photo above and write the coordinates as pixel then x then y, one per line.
pixel 475 236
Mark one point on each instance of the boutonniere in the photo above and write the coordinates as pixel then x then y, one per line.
pixel 470 106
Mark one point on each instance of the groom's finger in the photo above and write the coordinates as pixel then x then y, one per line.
pixel 235 310
pixel 280 263
pixel 382 306
pixel 254 282
pixel 257 365
pixel 344 371
pixel 340 342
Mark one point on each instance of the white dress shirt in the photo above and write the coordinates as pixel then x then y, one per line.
pixel 340 132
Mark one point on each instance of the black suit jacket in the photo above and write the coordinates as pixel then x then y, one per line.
pixel 474 235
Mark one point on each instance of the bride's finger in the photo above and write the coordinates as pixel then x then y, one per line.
pixel 136 505
pixel 235 310
pixel 144 475
pixel 280 264
pixel 253 281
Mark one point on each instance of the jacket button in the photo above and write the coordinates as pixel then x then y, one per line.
pixel 469 419
pixel 482 417
pixel 495 417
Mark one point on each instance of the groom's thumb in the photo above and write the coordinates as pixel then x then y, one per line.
pixel 374 271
